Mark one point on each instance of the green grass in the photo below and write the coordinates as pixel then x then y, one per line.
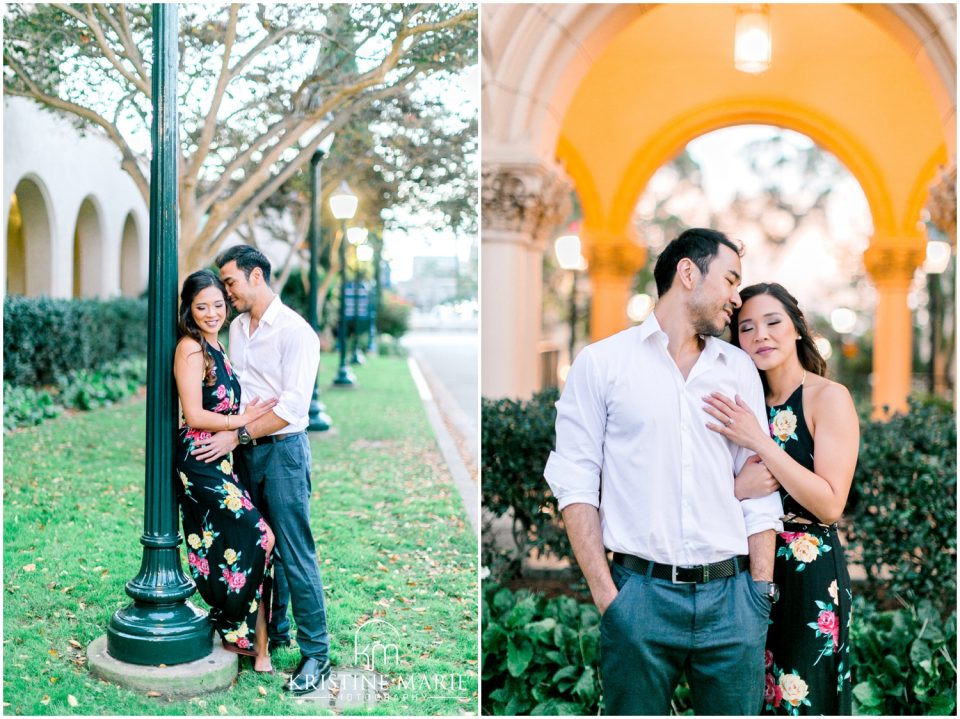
pixel 391 533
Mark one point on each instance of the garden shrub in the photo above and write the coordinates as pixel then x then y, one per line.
pixel 44 338
pixel 81 389
pixel 541 656
pixel 904 661
pixel 516 440
pixel 904 505
pixel 393 315
pixel 26 406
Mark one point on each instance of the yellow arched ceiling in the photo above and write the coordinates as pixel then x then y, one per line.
pixel 836 76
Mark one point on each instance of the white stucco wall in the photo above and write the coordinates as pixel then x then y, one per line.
pixel 69 169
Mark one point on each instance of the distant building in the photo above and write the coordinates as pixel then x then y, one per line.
pixel 435 280
pixel 76 225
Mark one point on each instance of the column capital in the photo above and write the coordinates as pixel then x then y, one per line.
pixel 890 265
pixel 525 198
pixel 619 257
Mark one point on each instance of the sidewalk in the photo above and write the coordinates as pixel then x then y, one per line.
pixel 393 540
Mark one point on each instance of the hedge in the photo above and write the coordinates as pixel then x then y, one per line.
pixel 44 339
pixel 541 656
pixel 902 513
pixel 515 440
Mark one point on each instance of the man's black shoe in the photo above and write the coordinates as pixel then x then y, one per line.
pixel 309 675
pixel 275 644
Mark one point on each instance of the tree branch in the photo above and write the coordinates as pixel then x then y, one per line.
pixel 90 20
pixel 210 122
pixel 129 159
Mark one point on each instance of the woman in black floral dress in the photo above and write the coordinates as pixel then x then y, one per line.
pixel 809 455
pixel 229 543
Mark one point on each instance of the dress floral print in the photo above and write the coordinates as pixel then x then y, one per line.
pixel 226 535
pixel 808 647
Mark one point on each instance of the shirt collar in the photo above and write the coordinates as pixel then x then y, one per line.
pixel 713 348
pixel 269 315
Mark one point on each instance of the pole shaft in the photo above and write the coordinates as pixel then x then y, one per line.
pixel 160 627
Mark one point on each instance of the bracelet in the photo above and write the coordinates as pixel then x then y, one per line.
pixel 228 420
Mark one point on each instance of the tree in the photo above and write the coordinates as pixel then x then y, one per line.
pixel 256 83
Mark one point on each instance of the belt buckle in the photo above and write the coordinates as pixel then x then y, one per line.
pixel 673 575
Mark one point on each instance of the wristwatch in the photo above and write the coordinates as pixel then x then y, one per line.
pixel 243 436
pixel 771 590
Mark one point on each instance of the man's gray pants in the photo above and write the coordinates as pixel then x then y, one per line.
pixel 278 477
pixel 655 630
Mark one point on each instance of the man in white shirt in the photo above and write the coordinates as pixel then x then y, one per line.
pixel 275 353
pixel 637 472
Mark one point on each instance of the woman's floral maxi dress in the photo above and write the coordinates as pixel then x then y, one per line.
pixel 226 535
pixel 808 646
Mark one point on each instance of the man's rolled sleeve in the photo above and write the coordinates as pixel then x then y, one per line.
pixel 300 354
pixel 573 470
pixel 761 513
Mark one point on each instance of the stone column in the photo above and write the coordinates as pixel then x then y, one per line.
pixel 891 269
pixel 522 204
pixel 612 260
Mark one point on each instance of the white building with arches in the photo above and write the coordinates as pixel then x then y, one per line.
pixel 76 225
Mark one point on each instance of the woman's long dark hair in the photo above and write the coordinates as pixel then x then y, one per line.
pixel 187 327
pixel 810 358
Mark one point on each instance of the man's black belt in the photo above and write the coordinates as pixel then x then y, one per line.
pixel 271 438
pixel 684 575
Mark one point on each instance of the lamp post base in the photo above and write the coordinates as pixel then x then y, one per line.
pixel 215 672
pixel 173 633
pixel 345 378
pixel 320 421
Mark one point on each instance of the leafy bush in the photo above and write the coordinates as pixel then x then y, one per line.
pixel 516 439
pixel 45 338
pixel 389 346
pixel 393 315
pixel 26 406
pixel 904 661
pixel 80 389
pixel 86 389
pixel 904 505
pixel 542 656
pixel 539 656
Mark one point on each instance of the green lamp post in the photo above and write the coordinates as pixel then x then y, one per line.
pixel 358 238
pixel 343 204
pixel 160 626
pixel 366 253
pixel 319 420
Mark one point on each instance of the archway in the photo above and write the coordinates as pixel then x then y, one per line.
pixel 29 241
pixel 88 251
pixel 609 94
pixel 130 283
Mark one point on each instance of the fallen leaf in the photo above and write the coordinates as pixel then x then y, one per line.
pixel 428 628
pixel 72 700
pixel 45 700
pixel 75 643
pixel 154 694
pixel 29 567
pixel 53 653
pixel 262 690
pixel 222 709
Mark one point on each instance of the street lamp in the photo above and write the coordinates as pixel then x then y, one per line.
pixel 367 253
pixel 318 419
pixel 752 48
pixel 358 238
pixel 567 248
pixel 343 205
pixel 160 626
